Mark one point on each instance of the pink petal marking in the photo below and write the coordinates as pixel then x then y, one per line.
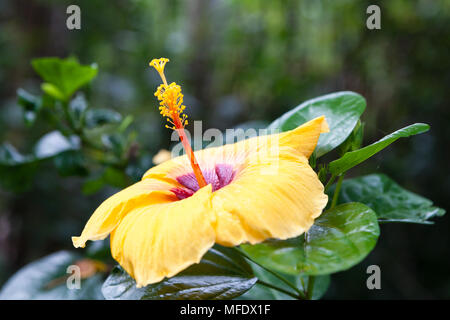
pixel 221 176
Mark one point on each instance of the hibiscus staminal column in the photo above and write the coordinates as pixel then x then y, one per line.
pixel 171 106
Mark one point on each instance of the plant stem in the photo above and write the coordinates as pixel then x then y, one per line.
pixel 330 182
pixel 336 191
pixel 271 286
pixel 280 277
pixel 303 286
pixel 309 291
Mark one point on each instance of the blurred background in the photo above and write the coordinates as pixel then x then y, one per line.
pixel 240 61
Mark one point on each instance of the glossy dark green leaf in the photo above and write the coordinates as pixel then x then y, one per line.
pixel 353 158
pixel 320 285
pixel 221 274
pixel 390 201
pixel 46 279
pixel 261 292
pixel 341 110
pixel 63 76
pixel 340 238
pixel 354 140
pixel 98 117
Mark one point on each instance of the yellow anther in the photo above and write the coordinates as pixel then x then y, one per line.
pixel 159 64
pixel 170 97
pixel 170 104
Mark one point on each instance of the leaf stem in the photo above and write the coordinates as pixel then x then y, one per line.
pixel 332 178
pixel 303 286
pixel 337 191
pixel 69 119
pixel 280 277
pixel 309 291
pixel 271 286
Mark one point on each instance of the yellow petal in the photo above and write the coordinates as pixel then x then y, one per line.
pixel 112 210
pixel 280 204
pixel 160 240
pixel 274 193
pixel 304 138
pixel 162 156
pixel 301 140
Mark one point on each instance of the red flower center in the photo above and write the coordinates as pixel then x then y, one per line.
pixel 219 177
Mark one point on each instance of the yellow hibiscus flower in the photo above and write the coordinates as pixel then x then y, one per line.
pixel 245 192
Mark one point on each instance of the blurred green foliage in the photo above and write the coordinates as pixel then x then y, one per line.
pixel 84 137
pixel 237 61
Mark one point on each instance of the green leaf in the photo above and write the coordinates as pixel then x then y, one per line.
pixel 53 91
pixel 45 279
pixel 221 274
pixel 390 201
pixel 54 143
pixel 115 177
pixel 93 185
pixel 319 288
pixel 126 122
pixel 98 117
pixel 354 140
pixel 341 110
pixel 340 238
pixel 114 142
pixel 17 170
pixel 112 176
pixel 70 163
pixel 31 105
pixel 261 292
pixel 353 158
pixel 63 76
pixel 77 109
pixel 49 145
pixel 9 156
